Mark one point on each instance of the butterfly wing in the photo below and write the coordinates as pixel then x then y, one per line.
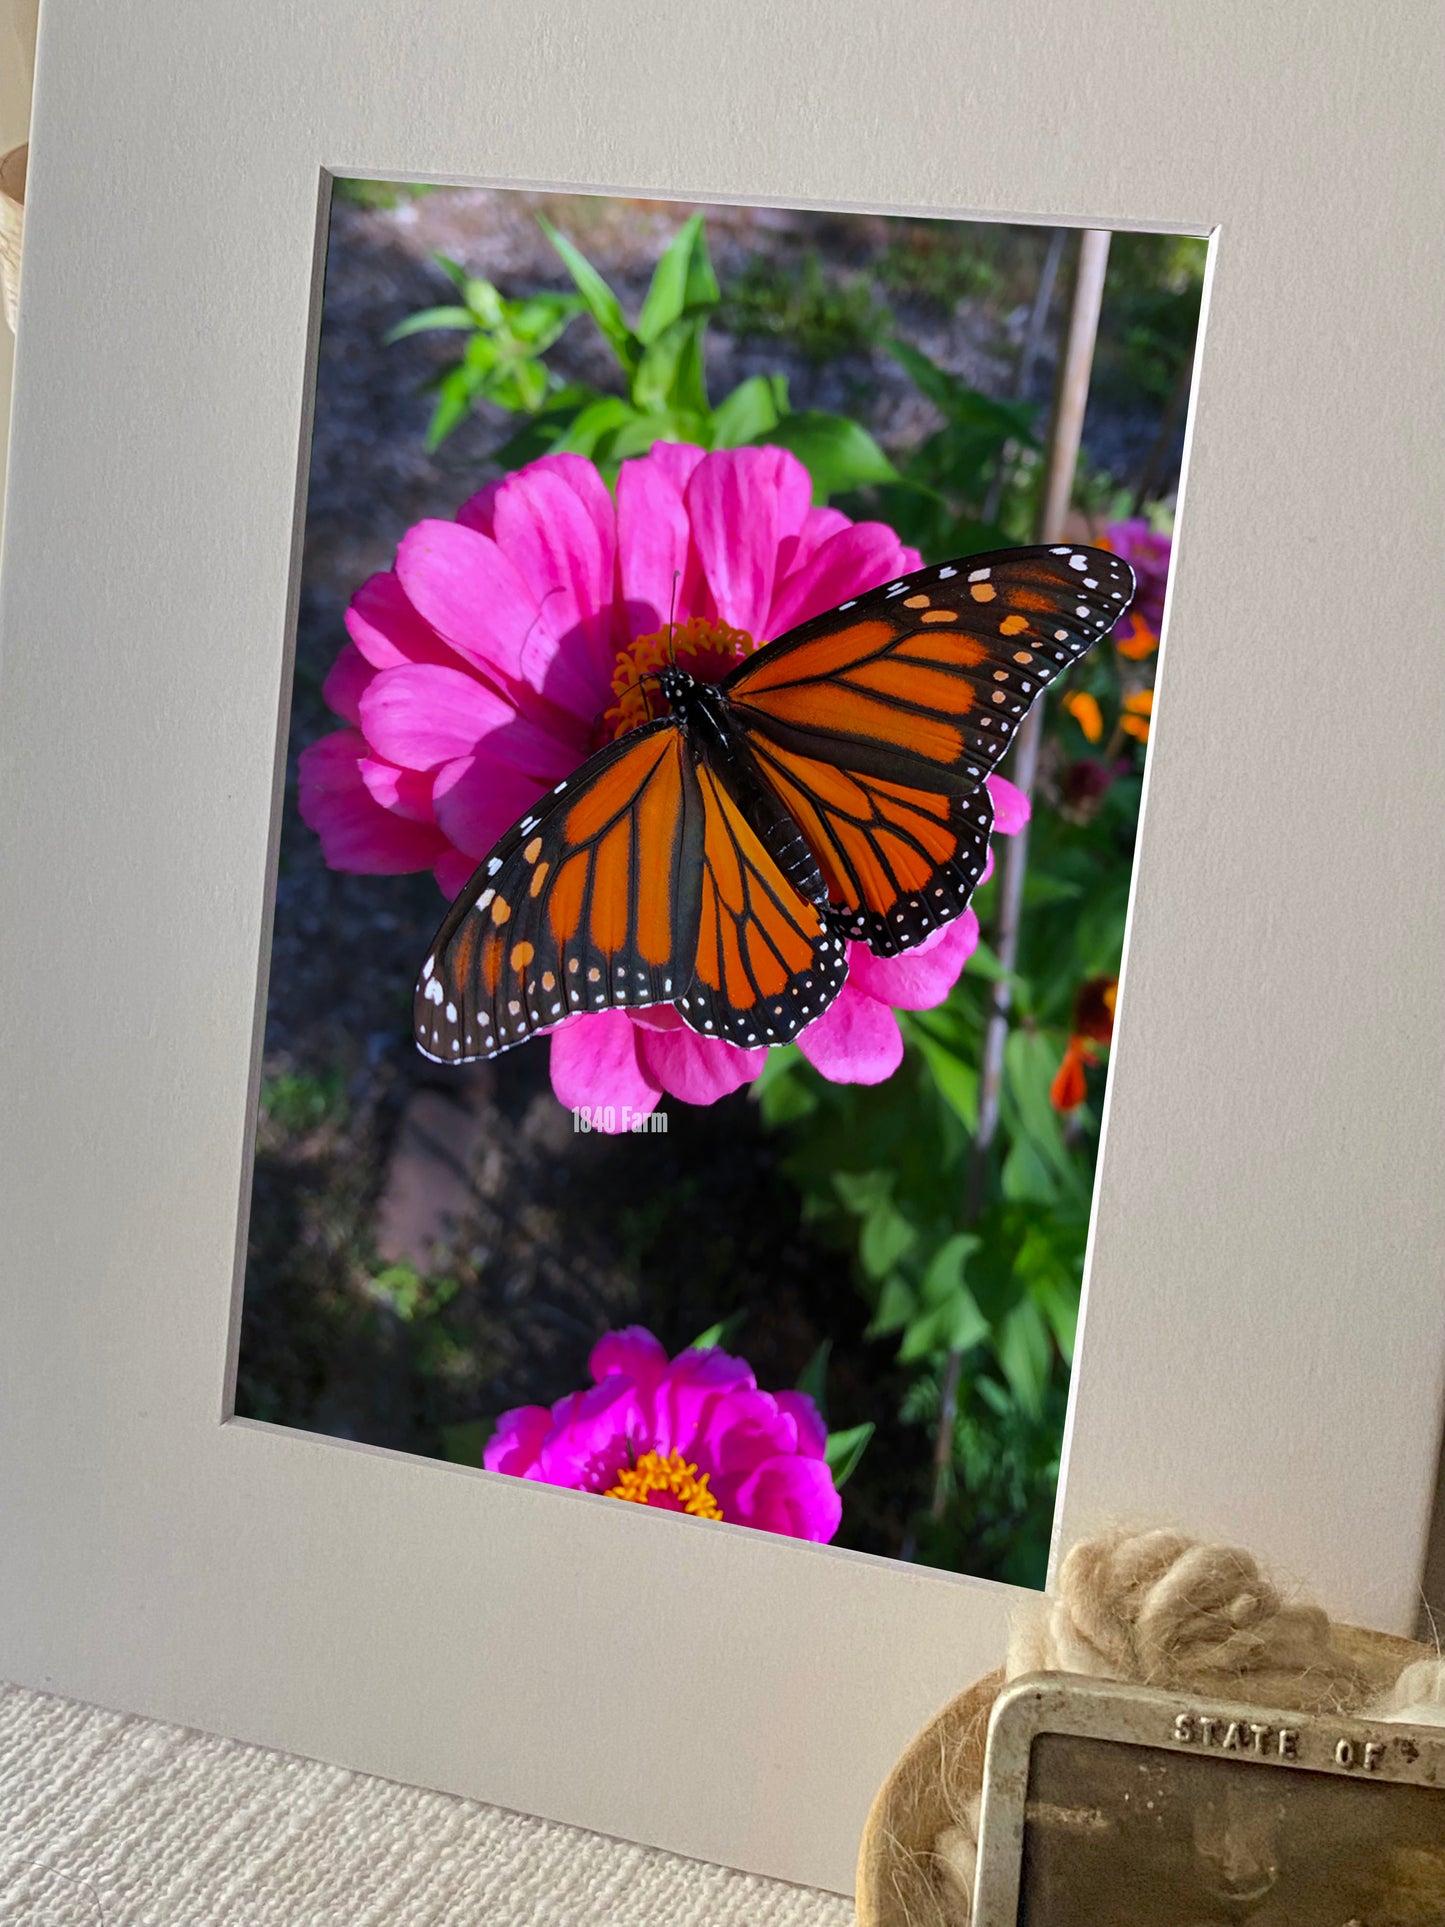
pixel 637 882
pixel 767 961
pixel 877 723
pixel 592 900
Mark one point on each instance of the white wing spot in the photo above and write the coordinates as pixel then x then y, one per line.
pixel 1082 610
pixel 434 992
pixel 427 968
pixel 1063 551
pixel 1078 562
pixel 493 865
pixel 451 1013
pixel 979 575
pixel 1090 583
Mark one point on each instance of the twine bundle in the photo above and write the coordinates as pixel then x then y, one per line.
pixel 1152 1608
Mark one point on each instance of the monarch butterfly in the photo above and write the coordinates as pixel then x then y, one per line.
pixel 829 788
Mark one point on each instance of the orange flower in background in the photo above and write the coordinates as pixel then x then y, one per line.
pixel 1086 713
pixel 1138 708
pixel 1093 1026
pixel 1134 638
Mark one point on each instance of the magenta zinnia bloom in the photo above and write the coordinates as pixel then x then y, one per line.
pixel 693 1435
pixel 504 648
pixel 1147 554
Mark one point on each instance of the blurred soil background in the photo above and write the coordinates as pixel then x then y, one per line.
pixel 427 1248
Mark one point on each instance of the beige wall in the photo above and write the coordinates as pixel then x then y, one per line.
pixel 17 65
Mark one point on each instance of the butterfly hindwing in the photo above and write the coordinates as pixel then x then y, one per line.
pixel 877 723
pixel 590 902
pixel 926 680
pixel 767 961
pixel 899 862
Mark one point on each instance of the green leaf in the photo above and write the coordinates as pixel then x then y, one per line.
pixel 750 413
pixel 679 282
pixel 453 405
pixel 464 1444
pixel 943 1280
pixel 602 303
pixel 844 1449
pixel 416 324
pixel 897 1304
pixel 453 271
pixel 722 1334
pixel 1025 1354
pixel 955 1077
pixel 887 1234
pixel 589 426
pixel 837 453
pixel 670 373
pixel 813 1379
pixel 963 404
pixel 670 425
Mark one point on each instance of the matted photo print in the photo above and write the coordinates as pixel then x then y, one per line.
pixel 710 810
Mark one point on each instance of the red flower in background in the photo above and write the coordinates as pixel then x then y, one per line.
pixel 1093 1026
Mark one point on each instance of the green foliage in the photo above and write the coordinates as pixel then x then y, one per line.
pixel 820 316
pixel 379 193
pixel 661 367
pixel 1150 312
pixel 938 263
pixel 296 1103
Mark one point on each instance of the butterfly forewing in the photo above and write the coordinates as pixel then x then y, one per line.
pixel 927 679
pixel 591 901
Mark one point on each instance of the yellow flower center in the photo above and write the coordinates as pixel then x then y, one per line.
pixel 672 1478
pixel 704 649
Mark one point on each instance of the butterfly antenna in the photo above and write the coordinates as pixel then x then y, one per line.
pixel 671 618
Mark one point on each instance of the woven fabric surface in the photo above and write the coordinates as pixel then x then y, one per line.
pixel 111 1821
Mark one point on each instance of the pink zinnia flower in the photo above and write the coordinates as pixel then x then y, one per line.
pixel 504 648
pixel 694 1435
pixel 1147 553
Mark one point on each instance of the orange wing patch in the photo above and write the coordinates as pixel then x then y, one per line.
pixel 584 905
pixel 766 961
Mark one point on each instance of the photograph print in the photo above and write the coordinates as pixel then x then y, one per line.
pixel 715 757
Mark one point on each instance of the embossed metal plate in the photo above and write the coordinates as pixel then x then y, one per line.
pixel 1118 1806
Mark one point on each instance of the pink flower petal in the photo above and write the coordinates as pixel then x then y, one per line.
pixel 454 870
pixel 470 593
pixel 356 833
pixel 478 800
pixel 919 979
pixel 861 557
pixel 422 715
pixel 479 511
pixel 406 792
pixel 633 1353
pixel 697 1390
pixel 699 1070
pixel 591 1438
pixel 658 568
pixel 792 1495
pixel 733 502
pixel 387 629
pixel 555 523
pixel 347 683
pixel 676 460
pixel 812 1432
pixel 1011 808
pixel 514 1446
pixel 855 1041
pixel 797 550
pixel 596 1063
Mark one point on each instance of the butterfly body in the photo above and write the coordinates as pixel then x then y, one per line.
pixel 829 789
